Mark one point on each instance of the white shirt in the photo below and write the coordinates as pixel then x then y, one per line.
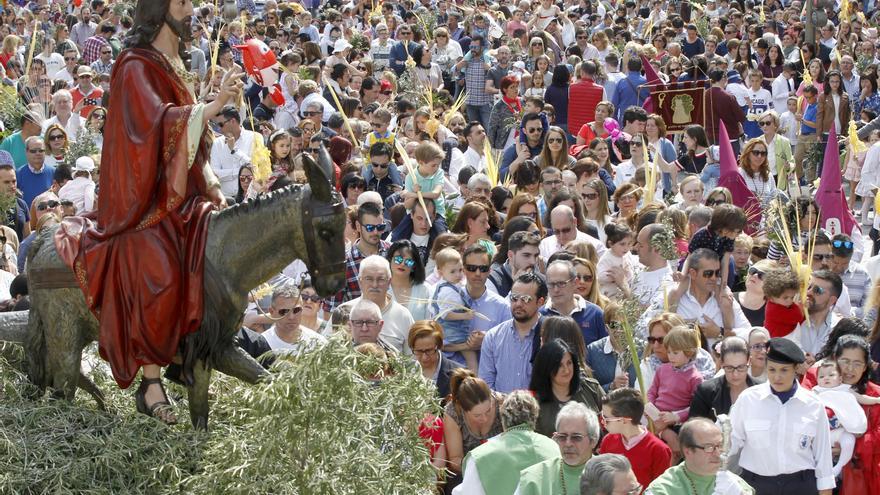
pixel 81 191
pixel 624 172
pixel 550 245
pixel 777 438
pixel 470 483
pixel 648 284
pixel 226 163
pixel 690 309
pixel 54 62
pixel 470 158
pixel 395 329
pixel 308 339
pixel 781 88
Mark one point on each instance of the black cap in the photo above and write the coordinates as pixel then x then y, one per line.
pixel 785 351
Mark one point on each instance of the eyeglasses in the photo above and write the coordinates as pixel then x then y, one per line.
pixel 590 196
pixel 312 298
pixel 709 448
pixel 56 137
pixel 379 165
pixel 637 144
pixel 755 271
pixel 559 284
pixel 526 298
pixel 715 202
pixel 823 257
pixel 246 178
pixel 552 182
pixel 565 438
pixel 69 59
pixel 399 260
pixel 371 280
pixel 424 352
pixel 849 364
pixel 99 116
pixel 284 312
pixel 106 53
pixel 476 268
pixel 582 37
pixel 815 289
pixel 845 244
pixel 387 93
pixel 759 153
pixel 45 205
pixel 655 340
pixel 532 130
pixel 611 419
pixel 760 347
pixel 363 323
pixel 711 273
pixel 36 150
pixel 584 278
pixel 636 490
pixel 735 369
pixel 555 140
pixel 765 123
pixel 369 227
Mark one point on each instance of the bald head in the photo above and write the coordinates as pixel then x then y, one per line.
pixel 564 225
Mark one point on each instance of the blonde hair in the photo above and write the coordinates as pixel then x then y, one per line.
pixel 446 256
pixel 428 151
pixel 682 339
pixel 744 241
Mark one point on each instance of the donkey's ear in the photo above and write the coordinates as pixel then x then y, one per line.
pixel 319 174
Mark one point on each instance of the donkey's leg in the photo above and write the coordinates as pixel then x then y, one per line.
pixel 234 361
pixel 89 386
pixel 198 395
pixel 64 352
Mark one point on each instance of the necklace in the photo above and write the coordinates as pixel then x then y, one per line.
pixel 693 486
pixel 562 478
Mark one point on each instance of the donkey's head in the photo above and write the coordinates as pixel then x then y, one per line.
pixel 323 225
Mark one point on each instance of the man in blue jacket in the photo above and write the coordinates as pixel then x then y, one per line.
pixel 401 50
pixel 628 91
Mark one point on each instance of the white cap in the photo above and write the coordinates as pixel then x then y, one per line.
pixel 84 164
pixel 341 45
pixel 370 197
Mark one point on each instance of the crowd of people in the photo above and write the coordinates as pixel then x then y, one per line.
pixel 690 312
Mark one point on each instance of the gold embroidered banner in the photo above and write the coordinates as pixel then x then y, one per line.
pixel 679 106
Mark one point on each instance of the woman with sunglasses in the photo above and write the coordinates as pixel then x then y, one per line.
pixel 754 167
pixel 597 213
pixel 312 309
pixel 656 354
pixel 95 125
pixel 752 300
pixel 586 284
pixel 408 279
pixel 555 150
pixel 719 196
pixel 245 178
pixel 56 143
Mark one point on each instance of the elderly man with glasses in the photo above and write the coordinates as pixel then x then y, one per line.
pixel 565 302
pixel 700 473
pixel 374 278
pixel 36 177
pixel 577 433
pixel 609 474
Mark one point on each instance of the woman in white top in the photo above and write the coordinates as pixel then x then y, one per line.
pixel 444 53
pixel 595 196
pixel 408 279
pixel 427 72
pixel 755 170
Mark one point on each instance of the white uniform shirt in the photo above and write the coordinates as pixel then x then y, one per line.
pixel 776 438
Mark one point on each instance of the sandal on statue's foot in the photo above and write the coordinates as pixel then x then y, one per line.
pixel 161 410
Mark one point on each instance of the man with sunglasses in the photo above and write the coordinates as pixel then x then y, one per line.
pixel 370 225
pixel 854 275
pixel 231 151
pixel 822 293
pixel 526 147
pixel 36 177
pixel 781 431
pixel 507 350
pixel 822 260
pixel 286 333
pixel 380 173
pixel 700 473
pixel 701 297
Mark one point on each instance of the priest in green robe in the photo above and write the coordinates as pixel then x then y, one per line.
pixel 493 468
pixel 577 433
pixel 700 473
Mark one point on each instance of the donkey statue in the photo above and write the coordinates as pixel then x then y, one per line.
pixel 247 245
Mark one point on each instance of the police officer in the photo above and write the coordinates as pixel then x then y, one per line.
pixel 781 430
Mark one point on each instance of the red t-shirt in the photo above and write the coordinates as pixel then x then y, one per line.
pixel 780 320
pixel 649 458
pixel 93 99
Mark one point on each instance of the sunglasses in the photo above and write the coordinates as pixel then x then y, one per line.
pixel 56 137
pixel 246 177
pixel 715 202
pixel 379 165
pixel 38 150
pixel 755 271
pixel 584 278
pixel 370 227
pixel 765 123
pixel 845 244
pixel 285 311
pixel 655 340
pixel 532 130
pixel 475 268
pixel 45 205
pixel 521 297
pixel 759 153
pixel 555 140
pixel 311 114
pixel 815 289
pixel 399 260
pixel 314 298
pixel 711 273
pixel 590 196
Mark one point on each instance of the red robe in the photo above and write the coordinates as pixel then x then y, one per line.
pixel 141 265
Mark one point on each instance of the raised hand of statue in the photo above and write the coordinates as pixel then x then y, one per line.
pixel 230 86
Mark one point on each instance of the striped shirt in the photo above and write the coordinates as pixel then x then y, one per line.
pixel 858 283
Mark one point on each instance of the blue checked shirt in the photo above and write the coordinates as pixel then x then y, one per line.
pixel 475 81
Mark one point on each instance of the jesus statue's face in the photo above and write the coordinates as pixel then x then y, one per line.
pixel 180 13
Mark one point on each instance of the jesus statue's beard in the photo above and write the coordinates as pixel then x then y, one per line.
pixel 182 28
